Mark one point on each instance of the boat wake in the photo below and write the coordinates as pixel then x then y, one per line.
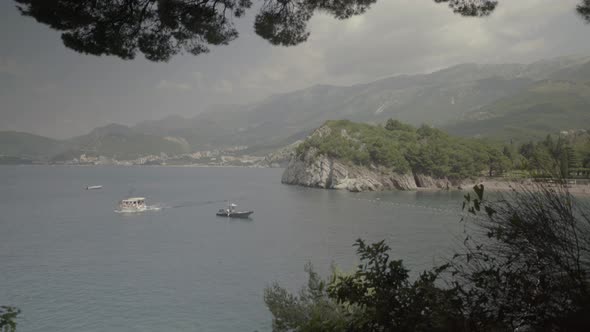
pixel 147 209
pixel 161 206
pixel 191 204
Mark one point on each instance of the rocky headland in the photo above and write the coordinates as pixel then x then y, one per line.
pixel 327 160
pixel 322 171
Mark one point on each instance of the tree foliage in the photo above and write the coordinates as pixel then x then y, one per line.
pixel 161 29
pixel 584 10
pixel 390 301
pixel 404 148
pixel 379 296
pixel 8 318
pixel 311 310
pixel 431 151
pixel 564 156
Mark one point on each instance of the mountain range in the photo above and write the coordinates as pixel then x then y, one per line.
pixel 500 101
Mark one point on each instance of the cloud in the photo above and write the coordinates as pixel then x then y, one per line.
pixel 199 78
pixel 9 66
pixel 223 87
pixel 397 37
pixel 393 37
pixel 43 79
pixel 168 85
pixel 15 68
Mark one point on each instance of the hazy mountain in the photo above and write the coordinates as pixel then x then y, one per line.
pixel 17 144
pixel 121 142
pixel 443 98
pixel 545 107
pixel 498 100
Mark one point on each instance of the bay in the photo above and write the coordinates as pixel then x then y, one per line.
pixel 70 263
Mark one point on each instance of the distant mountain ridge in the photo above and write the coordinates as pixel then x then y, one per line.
pixel 19 144
pixel 444 98
pixel 544 107
pixel 121 142
pixel 504 101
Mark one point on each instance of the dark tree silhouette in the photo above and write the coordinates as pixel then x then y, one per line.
pixel 526 263
pixel 161 29
pixel 584 10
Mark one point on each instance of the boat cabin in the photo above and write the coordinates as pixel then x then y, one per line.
pixel 134 202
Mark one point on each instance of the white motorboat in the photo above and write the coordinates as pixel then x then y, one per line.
pixel 132 204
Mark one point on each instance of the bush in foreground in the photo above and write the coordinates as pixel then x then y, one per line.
pixel 523 266
pixel 8 318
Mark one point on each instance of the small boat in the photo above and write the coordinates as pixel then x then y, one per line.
pixel 231 212
pixel 133 204
pixel 93 187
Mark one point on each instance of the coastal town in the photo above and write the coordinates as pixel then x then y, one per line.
pixel 201 158
pixel 233 156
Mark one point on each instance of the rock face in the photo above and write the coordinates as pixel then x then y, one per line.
pixel 424 181
pixel 320 171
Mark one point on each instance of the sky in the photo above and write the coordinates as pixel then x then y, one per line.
pixel 53 91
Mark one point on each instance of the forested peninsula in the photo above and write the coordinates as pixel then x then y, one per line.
pixel 396 156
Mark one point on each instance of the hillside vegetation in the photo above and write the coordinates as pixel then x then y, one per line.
pixel 404 148
pixel 430 151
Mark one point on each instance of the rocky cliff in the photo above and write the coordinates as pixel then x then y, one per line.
pixel 320 171
pixel 360 157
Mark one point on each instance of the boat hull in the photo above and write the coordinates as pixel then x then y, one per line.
pixel 240 214
pixel 93 187
pixel 132 210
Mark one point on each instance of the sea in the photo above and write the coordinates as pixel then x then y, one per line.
pixel 70 262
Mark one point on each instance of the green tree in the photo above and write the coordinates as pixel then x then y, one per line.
pixel 161 29
pixel 311 310
pixel 8 317
pixel 507 152
pixel 549 144
pixel 573 157
pixel 498 163
pixel 379 296
pixel 542 161
pixel 564 164
pixel 393 125
pixel 390 301
pixel 527 150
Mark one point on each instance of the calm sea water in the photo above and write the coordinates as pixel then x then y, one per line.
pixel 72 264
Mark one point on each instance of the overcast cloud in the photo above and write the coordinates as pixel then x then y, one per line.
pixel 50 90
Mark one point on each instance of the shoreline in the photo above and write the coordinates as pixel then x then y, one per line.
pixel 114 165
pixel 494 185
pixel 503 186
